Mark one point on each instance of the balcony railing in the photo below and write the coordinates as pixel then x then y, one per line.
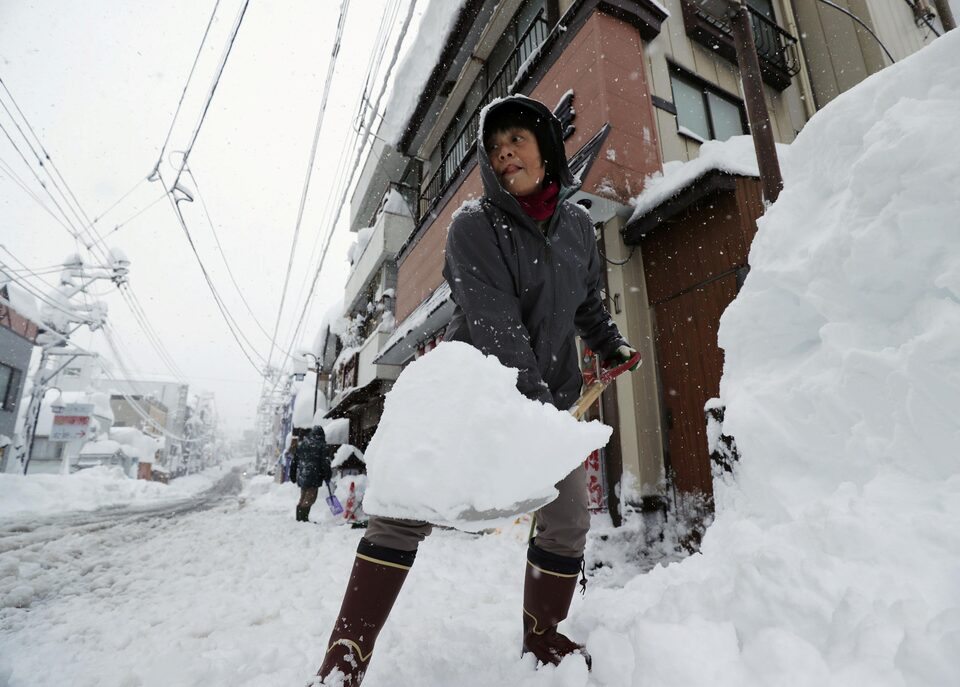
pixel 777 49
pixel 464 143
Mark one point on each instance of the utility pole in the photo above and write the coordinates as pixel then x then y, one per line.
pixel 946 14
pixel 61 322
pixel 737 14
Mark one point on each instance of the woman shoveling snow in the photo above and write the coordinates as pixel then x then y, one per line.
pixel 524 272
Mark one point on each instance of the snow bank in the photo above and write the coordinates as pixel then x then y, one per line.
pixel 835 555
pixel 457 436
pixel 93 488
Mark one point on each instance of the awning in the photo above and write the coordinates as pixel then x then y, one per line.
pixel 427 318
pixel 359 397
pixel 714 181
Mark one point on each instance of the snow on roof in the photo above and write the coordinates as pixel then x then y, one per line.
pixel 336 431
pixel 734 156
pixel 20 300
pixel 303 402
pixel 100 401
pixel 395 204
pixel 136 443
pixel 421 57
pixel 420 314
pixel 103 447
pixel 343 455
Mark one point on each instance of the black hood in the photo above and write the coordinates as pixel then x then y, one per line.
pixel 550 140
pixel 317 432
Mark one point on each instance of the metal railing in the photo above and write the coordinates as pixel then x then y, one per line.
pixel 776 48
pixel 464 143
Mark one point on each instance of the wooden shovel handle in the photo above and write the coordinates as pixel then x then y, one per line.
pixel 588 398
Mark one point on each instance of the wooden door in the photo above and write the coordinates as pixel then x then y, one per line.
pixel 691 364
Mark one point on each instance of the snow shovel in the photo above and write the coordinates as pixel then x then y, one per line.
pixel 333 502
pixel 595 382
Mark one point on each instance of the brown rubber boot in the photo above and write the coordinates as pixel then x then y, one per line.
pixel 547 592
pixel 377 576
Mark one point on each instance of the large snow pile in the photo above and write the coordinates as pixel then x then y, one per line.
pixel 835 555
pixel 457 440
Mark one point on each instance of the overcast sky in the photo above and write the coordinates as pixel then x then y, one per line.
pixel 100 81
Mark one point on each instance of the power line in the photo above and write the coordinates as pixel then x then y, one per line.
pixel 186 85
pixel 122 224
pixel 213 90
pixel 344 8
pixel 216 238
pixel 227 317
pixel 126 291
pixel 338 205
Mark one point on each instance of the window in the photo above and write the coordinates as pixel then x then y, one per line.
pixel 9 387
pixel 705 112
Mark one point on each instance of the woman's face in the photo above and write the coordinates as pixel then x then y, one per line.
pixel 516 160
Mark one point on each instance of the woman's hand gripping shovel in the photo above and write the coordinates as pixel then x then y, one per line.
pixel 595 381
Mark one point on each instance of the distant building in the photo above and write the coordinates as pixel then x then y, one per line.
pixel 155 407
pixel 19 327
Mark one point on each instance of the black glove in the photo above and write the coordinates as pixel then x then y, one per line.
pixel 622 355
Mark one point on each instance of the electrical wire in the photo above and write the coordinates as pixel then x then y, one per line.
pixel 861 23
pixel 341 22
pixel 216 238
pixel 8 170
pixel 213 90
pixel 122 224
pixel 94 246
pixel 186 86
pixel 237 333
pixel 349 144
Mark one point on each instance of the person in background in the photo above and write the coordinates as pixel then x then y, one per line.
pixel 525 275
pixel 311 465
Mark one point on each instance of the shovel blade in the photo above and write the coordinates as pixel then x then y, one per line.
pixel 334 503
pixel 471 515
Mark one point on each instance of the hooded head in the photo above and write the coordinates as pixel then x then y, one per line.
pixel 316 432
pixel 516 165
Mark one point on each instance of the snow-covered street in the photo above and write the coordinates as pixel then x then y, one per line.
pixel 233 591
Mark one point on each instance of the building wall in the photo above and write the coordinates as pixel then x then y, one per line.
pixel 840 54
pixel 15 351
pixel 896 27
pixel 787 115
pixel 638 393
pixel 420 271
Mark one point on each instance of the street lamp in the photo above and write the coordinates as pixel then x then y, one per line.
pixel 738 15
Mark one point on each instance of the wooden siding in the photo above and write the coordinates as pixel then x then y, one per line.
pixel 691 264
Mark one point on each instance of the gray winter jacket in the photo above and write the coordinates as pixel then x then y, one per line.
pixel 521 295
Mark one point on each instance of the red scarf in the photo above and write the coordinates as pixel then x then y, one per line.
pixel 541 204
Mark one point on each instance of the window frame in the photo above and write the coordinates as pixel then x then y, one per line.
pixel 704 87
